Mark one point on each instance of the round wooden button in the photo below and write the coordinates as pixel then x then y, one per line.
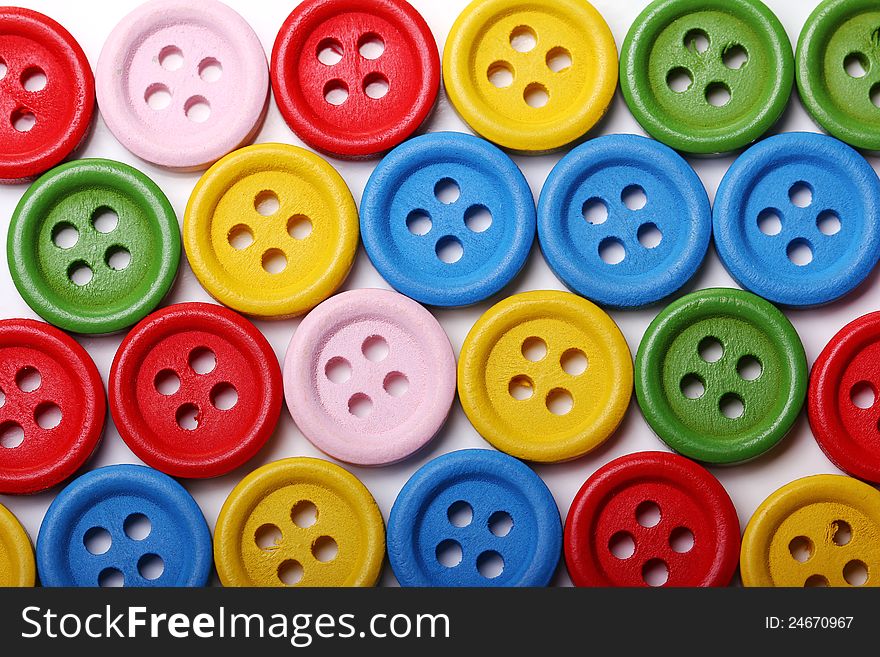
pixel 303 522
pixel 369 377
pixel 838 70
pixel 17 567
pixel 47 94
pixel 93 246
pixel 195 390
pixel 721 375
pixel 354 78
pixel 822 530
pixel 530 76
pixel 545 376
pixel 271 230
pixel 706 76
pixel 181 84
pixel 843 405
pixel 124 525
pixel 53 407
pixel 652 519
pixel 474 517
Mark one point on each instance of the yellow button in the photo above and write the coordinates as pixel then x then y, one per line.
pixel 271 230
pixel 299 521
pixel 545 376
pixel 817 531
pixel 16 553
pixel 533 75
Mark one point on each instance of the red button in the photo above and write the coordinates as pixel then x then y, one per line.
pixel 47 94
pixel 195 390
pixel 652 519
pixel 843 402
pixel 52 406
pixel 355 78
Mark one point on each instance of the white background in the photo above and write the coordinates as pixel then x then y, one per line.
pixel 90 21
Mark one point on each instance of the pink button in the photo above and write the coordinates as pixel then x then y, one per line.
pixel 369 377
pixel 181 83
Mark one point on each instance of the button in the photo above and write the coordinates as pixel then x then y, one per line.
pixel 195 390
pixel 93 246
pixel 706 77
pixel 182 84
pixel 16 554
pixel 624 221
pixel 721 376
pixel 652 519
pixel 474 518
pixel 816 531
pixel 545 376
pixel 369 377
pixel 448 219
pixel 838 70
pixel 355 78
pixel 844 412
pixel 271 230
pixel 531 76
pixel 299 521
pixel 52 406
pixel 47 94
pixel 124 525
pixel 797 219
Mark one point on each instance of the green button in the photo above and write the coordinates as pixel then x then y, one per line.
pixel 838 70
pixel 721 376
pixel 706 76
pixel 93 246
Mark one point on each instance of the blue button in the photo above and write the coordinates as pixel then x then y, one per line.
pixel 474 518
pixel 448 219
pixel 624 221
pixel 124 525
pixel 797 219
